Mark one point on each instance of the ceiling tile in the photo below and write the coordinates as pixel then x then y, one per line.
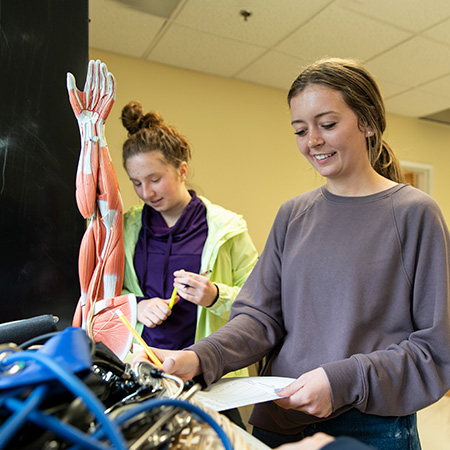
pixel 416 103
pixel 274 69
pixel 439 87
pixel 271 20
pixel 120 29
pixel 340 33
pixel 389 89
pixel 412 15
pixel 440 32
pixel 414 62
pixel 203 52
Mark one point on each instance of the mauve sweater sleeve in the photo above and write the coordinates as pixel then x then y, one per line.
pixel 256 324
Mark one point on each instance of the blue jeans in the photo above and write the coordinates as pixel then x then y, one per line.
pixel 383 433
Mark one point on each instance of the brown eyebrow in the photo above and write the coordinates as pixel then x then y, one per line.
pixel 316 116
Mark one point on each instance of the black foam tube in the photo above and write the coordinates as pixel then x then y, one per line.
pixel 23 330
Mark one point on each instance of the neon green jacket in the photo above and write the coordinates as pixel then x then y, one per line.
pixel 228 252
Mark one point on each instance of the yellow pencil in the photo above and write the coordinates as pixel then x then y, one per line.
pixel 172 298
pixel 153 358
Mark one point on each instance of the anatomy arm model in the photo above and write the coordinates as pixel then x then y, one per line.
pixel 101 256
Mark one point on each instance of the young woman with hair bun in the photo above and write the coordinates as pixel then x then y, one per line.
pixel 177 239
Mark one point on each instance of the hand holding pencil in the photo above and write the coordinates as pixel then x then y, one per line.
pixel 149 352
pixel 195 288
pixel 153 311
pixel 184 364
pixel 181 363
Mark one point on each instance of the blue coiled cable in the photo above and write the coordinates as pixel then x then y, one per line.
pixel 27 410
pixel 79 389
pixel 14 422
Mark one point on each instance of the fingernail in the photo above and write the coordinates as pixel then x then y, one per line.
pixel 276 390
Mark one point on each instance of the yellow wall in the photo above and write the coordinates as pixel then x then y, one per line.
pixel 424 142
pixel 244 152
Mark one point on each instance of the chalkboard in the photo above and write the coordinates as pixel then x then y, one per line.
pixel 40 225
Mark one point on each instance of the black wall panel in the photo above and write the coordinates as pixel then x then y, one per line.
pixel 40 225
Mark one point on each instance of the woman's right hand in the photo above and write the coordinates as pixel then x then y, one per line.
pixel 181 363
pixel 153 311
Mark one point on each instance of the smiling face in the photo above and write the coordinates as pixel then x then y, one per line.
pixel 159 184
pixel 329 135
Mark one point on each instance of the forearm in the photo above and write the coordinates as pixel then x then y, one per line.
pixel 380 382
pixel 236 345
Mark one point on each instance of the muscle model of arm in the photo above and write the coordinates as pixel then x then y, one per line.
pixel 101 257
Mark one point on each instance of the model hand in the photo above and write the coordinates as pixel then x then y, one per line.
pixel 153 311
pixel 181 363
pixel 309 393
pixel 97 99
pixel 195 288
pixel 316 442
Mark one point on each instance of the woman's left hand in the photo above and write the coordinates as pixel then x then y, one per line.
pixel 195 288
pixel 310 393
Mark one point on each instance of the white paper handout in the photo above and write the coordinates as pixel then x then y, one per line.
pixel 235 392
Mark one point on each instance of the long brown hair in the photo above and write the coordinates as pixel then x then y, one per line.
pixel 362 94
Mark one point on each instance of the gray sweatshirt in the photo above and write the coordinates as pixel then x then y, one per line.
pixel 357 285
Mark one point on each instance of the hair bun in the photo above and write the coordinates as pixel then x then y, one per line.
pixel 134 119
pixel 149 132
pixel 132 115
pixel 151 120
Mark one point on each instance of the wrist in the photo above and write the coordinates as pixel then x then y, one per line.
pixel 216 297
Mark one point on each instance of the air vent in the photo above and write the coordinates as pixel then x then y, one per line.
pixel 160 8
